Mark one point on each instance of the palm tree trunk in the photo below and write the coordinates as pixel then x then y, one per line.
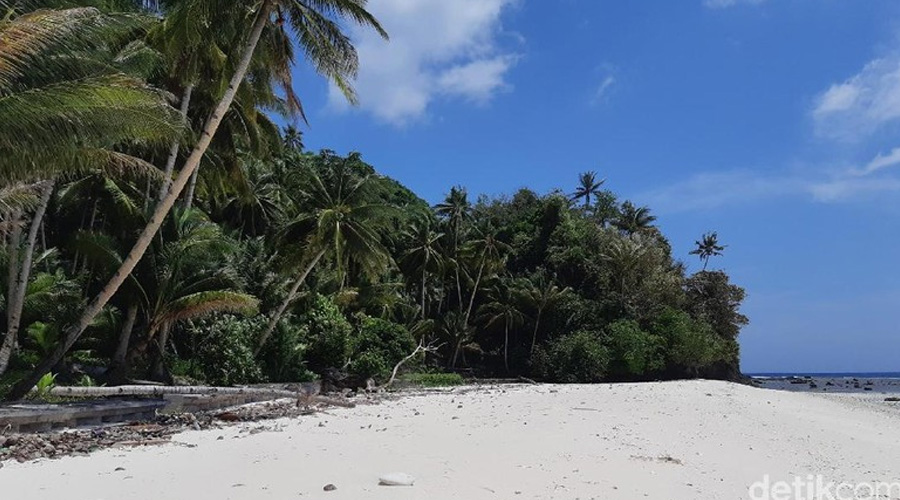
pixel 176 144
pixel 506 345
pixel 15 237
pixel 16 306
pixel 71 334
pixel 188 201
pixel 424 275
pixel 273 322
pixel 474 292
pixel 158 371
pixel 125 335
pixel 537 321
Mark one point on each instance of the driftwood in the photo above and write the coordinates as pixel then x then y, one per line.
pixel 304 395
pixel 421 348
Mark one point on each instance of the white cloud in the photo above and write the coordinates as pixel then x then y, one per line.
pixel 711 190
pixel 863 104
pixel 880 162
pixel 721 4
pixel 603 89
pixel 438 49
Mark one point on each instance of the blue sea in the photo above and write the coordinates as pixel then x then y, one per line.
pixel 851 375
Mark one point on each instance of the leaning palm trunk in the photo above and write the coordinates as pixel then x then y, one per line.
pixel 72 333
pixel 176 145
pixel 125 335
pixel 307 393
pixel 273 322
pixel 17 302
pixel 534 334
pixel 15 237
pixel 474 291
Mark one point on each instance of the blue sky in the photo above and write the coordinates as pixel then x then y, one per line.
pixel 774 122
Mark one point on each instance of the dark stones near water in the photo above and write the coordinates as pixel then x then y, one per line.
pixel 892 400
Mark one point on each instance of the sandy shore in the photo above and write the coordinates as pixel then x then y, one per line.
pixel 680 440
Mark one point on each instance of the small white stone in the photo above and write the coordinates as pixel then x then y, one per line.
pixel 396 479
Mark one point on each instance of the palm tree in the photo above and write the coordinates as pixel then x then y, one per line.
pixel 483 256
pixel 73 104
pixel 633 219
pixel 541 294
pixel 708 247
pixel 502 308
pixel 316 26
pixel 293 139
pixel 456 330
pixel 456 209
pixel 338 220
pixel 424 256
pixel 588 187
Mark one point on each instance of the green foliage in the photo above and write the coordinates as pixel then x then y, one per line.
pixel 433 379
pixel 221 350
pixel 44 386
pixel 377 346
pixel 328 335
pixel 578 357
pixel 635 353
pixel 692 344
pixel 283 358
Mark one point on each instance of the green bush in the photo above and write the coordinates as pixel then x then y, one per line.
pixel 283 358
pixel 327 335
pixel 222 350
pixel 692 344
pixel 433 379
pixel 377 346
pixel 634 352
pixel 578 357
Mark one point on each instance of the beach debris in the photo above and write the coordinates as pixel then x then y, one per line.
pixel 329 487
pixel 396 479
pixel 892 400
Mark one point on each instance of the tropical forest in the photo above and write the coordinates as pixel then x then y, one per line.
pixel 162 221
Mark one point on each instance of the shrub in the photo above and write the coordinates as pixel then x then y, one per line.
pixel 578 357
pixel 222 350
pixel 692 344
pixel 634 352
pixel 327 335
pixel 283 358
pixel 377 346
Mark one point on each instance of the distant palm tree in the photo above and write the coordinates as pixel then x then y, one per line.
pixel 424 256
pixel 293 138
pixel 483 256
pixel 708 247
pixel 455 209
pixel 336 220
pixel 588 187
pixel 502 307
pixel 633 219
pixel 541 294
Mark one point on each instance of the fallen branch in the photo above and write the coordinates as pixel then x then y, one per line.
pixel 421 348
pixel 308 394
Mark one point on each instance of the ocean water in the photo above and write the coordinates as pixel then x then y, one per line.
pixel 854 382
pixel 850 375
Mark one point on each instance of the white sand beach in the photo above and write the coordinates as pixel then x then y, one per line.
pixel 677 440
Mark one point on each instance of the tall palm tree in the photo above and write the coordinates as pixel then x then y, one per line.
pixel 316 25
pixel 588 187
pixel 633 219
pixel 65 103
pixel 541 294
pixel 455 210
pixel 708 247
pixel 482 256
pixel 502 307
pixel 337 219
pixel 424 256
